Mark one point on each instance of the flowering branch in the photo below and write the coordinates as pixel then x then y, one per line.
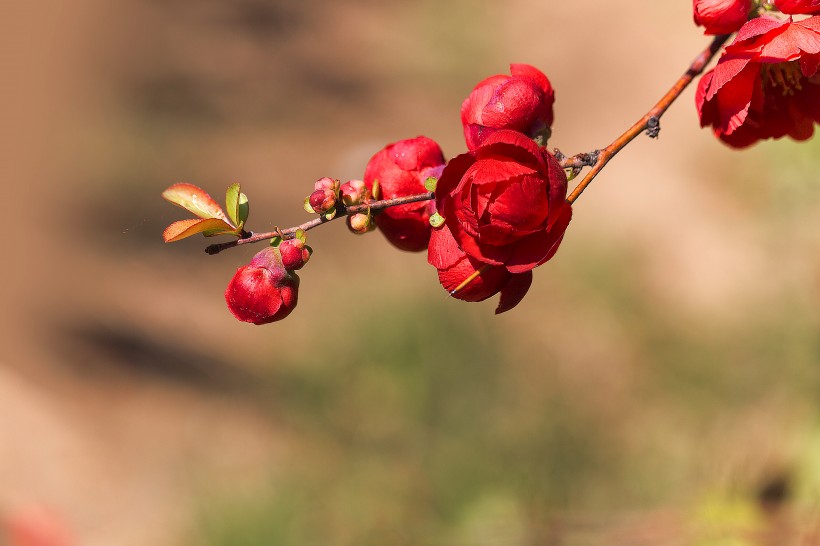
pixel 650 122
pixel 341 211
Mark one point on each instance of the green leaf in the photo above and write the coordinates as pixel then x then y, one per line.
pixel 276 241
pixel 436 220
pixel 307 206
pixel 244 209
pixel 232 203
pixel 376 190
pixel 195 200
pixel 207 226
pixel 331 214
pixel 430 183
pixel 300 234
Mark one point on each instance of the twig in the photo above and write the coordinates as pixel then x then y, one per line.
pixel 341 211
pixel 649 122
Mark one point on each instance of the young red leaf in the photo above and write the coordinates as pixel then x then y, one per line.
pixel 207 226
pixel 195 200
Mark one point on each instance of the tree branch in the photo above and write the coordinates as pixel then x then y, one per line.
pixel 341 211
pixel 649 122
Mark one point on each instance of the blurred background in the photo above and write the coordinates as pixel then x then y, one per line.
pixel 659 385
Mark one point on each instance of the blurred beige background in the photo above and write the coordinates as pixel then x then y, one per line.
pixel 659 385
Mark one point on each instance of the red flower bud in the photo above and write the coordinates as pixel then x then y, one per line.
pixel 262 291
pixel 353 192
pixel 721 16
pixel 327 183
pixel 360 223
pixel 401 169
pixel 798 6
pixel 294 254
pixel 322 201
pixel 521 102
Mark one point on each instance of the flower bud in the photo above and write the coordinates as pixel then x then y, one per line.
pixel 721 16
pixel 294 254
pixel 360 223
pixel 521 101
pixel 327 183
pixel 322 201
pixel 401 169
pixel 262 291
pixel 353 192
pixel 795 7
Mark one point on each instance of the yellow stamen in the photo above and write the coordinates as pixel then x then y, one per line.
pixel 787 75
pixel 470 279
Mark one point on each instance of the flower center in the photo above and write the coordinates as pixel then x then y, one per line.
pixel 784 75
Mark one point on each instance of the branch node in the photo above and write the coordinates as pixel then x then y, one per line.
pixel 653 127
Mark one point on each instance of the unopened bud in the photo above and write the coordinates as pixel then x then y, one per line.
pixel 294 254
pixel 322 201
pixel 353 192
pixel 327 183
pixel 360 223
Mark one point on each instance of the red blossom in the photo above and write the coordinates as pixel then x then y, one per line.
pixel 521 102
pixel 262 291
pixel 505 213
pixel 401 169
pixel 798 6
pixel 721 16
pixel 766 84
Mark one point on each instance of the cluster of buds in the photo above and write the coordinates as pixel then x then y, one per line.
pixel 328 195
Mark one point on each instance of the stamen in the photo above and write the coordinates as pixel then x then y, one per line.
pixel 787 75
pixel 470 279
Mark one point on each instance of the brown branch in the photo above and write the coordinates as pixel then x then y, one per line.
pixel 341 211
pixel 649 122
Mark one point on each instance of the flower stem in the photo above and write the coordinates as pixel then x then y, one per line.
pixel 341 211
pixel 650 122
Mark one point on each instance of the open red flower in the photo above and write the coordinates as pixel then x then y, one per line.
pixel 521 102
pixel 721 16
pixel 262 291
pixel 798 6
pixel 505 212
pixel 401 169
pixel 766 84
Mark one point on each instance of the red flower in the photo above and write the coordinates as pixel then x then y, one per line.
pixel 454 267
pixel 262 291
pixel 798 6
pixel 721 16
pixel 401 169
pixel 505 213
pixel 521 102
pixel 766 84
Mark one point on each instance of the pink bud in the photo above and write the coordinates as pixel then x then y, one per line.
pixel 327 184
pixel 322 201
pixel 262 291
pixel 353 192
pixel 294 254
pixel 360 223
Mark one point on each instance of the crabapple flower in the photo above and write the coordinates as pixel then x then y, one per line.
pixel 795 7
pixel 521 101
pixel 262 291
pixel 766 84
pixel 721 16
pixel 505 213
pixel 400 170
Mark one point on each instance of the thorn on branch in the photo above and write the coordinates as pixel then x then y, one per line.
pixel 653 127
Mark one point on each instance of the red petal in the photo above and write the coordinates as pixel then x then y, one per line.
pixel 514 291
pixel 443 251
